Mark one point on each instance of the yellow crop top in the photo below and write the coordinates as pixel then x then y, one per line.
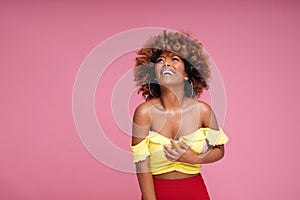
pixel 152 146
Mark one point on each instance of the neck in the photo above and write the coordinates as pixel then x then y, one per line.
pixel 172 98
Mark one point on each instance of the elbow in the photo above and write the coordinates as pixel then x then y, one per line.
pixel 222 154
pixel 142 167
pixel 221 151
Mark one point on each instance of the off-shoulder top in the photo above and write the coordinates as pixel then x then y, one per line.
pixel 152 146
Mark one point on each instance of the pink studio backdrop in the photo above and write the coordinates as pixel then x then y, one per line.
pixel 255 45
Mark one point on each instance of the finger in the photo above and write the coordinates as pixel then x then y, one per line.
pixel 173 144
pixel 184 145
pixel 170 157
pixel 170 151
pixel 176 147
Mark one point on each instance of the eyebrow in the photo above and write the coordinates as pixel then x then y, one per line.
pixel 172 55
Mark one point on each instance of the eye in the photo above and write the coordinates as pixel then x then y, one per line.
pixel 159 60
pixel 176 59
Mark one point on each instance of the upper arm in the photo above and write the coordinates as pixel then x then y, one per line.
pixel 140 129
pixel 207 116
pixel 209 119
pixel 141 123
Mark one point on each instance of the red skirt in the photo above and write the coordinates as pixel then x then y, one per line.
pixel 181 189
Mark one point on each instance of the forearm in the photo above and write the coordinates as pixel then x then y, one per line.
pixel 145 179
pixel 146 185
pixel 212 155
pixel 188 155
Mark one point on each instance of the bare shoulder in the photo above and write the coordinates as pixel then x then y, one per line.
pixel 207 115
pixel 141 122
pixel 204 108
pixel 142 113
pixel 143 109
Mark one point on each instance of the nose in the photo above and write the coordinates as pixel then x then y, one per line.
pixel 167 63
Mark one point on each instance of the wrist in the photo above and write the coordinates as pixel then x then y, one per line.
pixel 197 160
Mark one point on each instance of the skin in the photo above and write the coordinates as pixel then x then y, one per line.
pixel 172 115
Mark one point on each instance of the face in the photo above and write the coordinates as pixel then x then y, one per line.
pixel 169 68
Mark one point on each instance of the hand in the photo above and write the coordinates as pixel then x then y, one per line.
pixel 180 152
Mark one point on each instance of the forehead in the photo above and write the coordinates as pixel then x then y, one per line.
pixel 168 54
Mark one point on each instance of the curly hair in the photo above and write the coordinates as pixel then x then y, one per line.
pixel 189 49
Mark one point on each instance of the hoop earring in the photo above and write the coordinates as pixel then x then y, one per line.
pixel 191 83
pixel 149 88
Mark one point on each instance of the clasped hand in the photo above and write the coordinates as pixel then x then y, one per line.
pixel 180 152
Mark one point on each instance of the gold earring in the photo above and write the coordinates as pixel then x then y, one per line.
pixel 149 88
pixel 191 83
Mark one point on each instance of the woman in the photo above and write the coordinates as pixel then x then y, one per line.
pixel 171 129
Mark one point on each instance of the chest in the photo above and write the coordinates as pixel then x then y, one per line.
pixel 175 124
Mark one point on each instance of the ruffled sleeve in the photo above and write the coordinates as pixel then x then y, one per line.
pixel 140 151
pixel 216 137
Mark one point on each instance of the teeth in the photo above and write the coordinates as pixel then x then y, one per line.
pixel 167 71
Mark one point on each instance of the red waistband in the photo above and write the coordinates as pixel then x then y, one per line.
pixel 175 183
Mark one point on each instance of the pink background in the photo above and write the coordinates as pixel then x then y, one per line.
pixel 255 45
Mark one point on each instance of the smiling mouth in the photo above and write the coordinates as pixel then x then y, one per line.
pixel 167 71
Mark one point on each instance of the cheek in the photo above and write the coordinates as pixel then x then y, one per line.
pixel 180 68
pixel 157 69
